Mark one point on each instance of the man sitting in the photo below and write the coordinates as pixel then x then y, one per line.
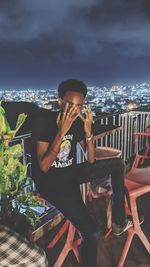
pixel 58 177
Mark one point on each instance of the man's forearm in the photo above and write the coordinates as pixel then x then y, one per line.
pixel 90 149
pixel 56 143
pixel 51 154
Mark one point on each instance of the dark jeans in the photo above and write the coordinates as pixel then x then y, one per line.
pixel 62 189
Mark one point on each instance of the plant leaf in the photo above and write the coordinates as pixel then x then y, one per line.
pixel 20 121
pixel 4 125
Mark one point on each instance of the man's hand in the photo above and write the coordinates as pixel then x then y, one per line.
pixel 65 120
pixel 88 120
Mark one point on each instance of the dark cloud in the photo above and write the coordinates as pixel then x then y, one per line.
pixel 27 20
pixel 74 37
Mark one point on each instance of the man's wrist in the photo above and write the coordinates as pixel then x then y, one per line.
pixel 89 137
pixel 54 151
pixel 60 135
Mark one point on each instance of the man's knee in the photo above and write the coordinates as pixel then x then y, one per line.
pixel 119 165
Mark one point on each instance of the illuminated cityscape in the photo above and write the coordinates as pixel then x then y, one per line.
pixel 106 45
pixel 107 100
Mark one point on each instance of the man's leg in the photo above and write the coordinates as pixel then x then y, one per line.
pixel 101 169
pixel 70 203
pixel 87 172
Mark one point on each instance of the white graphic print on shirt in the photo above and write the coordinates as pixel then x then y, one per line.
pixel 63 155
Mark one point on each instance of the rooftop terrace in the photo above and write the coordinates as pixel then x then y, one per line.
pixel 122 139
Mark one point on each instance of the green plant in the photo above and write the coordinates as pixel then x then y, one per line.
pixel 14 182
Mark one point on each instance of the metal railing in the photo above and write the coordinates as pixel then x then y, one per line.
pixel 130 122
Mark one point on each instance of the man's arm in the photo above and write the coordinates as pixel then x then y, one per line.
pixel 88 120
pixel 47 154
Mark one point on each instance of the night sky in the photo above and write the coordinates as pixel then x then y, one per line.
pixel 102 42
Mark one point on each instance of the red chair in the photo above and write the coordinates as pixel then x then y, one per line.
pixel 135 190
pixel 147 150
pixel 141 156
pixel 71 243
pixel 137 182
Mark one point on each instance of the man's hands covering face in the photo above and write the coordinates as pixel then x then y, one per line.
pixel 66 119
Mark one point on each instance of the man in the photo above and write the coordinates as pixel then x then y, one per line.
pixel 18 251
pixel 58 177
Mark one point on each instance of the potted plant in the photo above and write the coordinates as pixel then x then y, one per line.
pixel 15 195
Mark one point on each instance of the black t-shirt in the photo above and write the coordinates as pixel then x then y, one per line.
pixel 45 129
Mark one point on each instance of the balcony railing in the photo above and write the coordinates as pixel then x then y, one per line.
pixel 130 122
